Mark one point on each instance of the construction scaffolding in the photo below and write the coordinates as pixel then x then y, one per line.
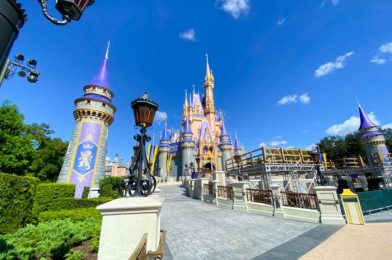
pixel 298 171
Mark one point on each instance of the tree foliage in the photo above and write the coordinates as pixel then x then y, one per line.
pixel 338 147
pixel 28 149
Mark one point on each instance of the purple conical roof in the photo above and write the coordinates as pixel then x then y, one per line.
pixel 101 79
pixel 165 134
pixel 365 121
pixel 237 145
pixel 223 131
pixel 187 128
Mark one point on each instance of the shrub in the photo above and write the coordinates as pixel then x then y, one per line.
pixel 47 193
pixel 16 201
pixel 74 215
pixel 110 187
pixel 47 240
pixel 85 193
pixel 72 203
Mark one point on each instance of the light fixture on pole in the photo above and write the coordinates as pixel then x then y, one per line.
pixel 24 70
pixel 70 10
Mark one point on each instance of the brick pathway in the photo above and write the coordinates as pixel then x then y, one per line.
pixel 201 231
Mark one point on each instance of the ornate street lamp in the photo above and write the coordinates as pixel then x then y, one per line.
pixel 315 156
pixel 70 9
pixel 144 111
pixel 24 70
pixel 237 159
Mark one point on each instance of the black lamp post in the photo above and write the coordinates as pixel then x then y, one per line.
pixel 144 111
pixel 315 155
pixel 24 70
pixel 237 158
pixel 70 9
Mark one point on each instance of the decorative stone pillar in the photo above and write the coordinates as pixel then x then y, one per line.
pixel 278 203
pixel 220 177
pixel 124 222
pixel 239 189
pixel 329 205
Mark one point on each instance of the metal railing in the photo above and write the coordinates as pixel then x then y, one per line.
pixel 208 189
pixel 226 192
pixel 260 196
pixel 300 200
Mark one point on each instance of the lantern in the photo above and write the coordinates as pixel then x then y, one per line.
pixel 144 110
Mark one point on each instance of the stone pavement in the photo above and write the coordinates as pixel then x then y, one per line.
pixel 383 216
pixel 370 241
pixel 196 230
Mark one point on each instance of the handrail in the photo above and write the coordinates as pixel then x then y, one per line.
pixel 300 200
pixel 140 252
pixel 226 192
pixel 161 248
pixel 260 196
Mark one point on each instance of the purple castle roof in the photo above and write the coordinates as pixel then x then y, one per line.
pixel 223 131
pixel 101 79
pixel 365 121
pixel 187 128
pixel 165 134
pixel 237 145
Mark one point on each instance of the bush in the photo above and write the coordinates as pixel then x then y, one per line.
pixel 47 240
pixel 110 187
pixel 16 201
pixel 86 191
pixel 72 203
pixel 74 215
pixel 47 193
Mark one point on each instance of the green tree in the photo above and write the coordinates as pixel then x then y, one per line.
pixel 388 137
pixel 16 146
pixel 28 148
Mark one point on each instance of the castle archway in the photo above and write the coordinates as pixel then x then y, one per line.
pixel 209 167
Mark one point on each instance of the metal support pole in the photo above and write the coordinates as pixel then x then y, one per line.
pixel 4 71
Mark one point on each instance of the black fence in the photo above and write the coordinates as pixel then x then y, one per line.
pixel 260 196
pixel 300 200
pixel 226 192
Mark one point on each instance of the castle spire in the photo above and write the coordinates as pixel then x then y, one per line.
pixel 186 98
pixel 365 121
pixel 209 77
pixel 237 145
pixel 101 79
pixel 223 131
pixel 187 128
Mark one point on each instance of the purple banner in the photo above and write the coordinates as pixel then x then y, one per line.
pixel 84 162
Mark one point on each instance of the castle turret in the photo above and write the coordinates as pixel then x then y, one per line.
pixel 84 163
pixel 187 149
pixel 209 109
pixel 373 140
pixel 225 146
pixel 163 151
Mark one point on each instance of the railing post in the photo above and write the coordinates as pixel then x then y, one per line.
pixel 277 199
pixel 120 235
pixel 239 189
pixel 219 176
pixel 329 205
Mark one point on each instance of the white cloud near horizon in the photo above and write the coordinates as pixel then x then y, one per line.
pixel 349 126
pixel 234 7
pixel 378 60
pixel 281 21
pixel 274 143
pixel 160 117
pixel 188 35
pixel 331 66
pixel 289 99
pixel 335 2
pixel 386 47
pixel 387 126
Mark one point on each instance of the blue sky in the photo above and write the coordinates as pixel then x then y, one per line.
pixel 286 72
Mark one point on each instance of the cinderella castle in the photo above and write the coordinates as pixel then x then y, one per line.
pixel 203 144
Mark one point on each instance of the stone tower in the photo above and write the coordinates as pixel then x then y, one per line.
pixel 163 151
pixel 225 146
pixel 187 149
pixel 373 140
pixel 209 109
pixel 84 163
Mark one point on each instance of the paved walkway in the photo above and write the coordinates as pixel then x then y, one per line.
pixel 383 216
pixel 201 231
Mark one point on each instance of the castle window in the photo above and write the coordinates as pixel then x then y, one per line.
pixel 88 101
pixel 104 104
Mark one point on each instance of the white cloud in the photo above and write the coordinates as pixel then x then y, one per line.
pixel 262 144
pixel 378 60
pixel 289 99
pixel 335 2
pixel 386 47
pixel 304 98
pixel 310 147
pixel 188 35
pixel 280 22
pixel 160 117
pixel 276 143
pixel 349 126
pixel 329 67
pixel 387 126
pixel 234 7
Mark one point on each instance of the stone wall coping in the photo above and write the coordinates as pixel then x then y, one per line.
pixel 130 206
pixel 325 188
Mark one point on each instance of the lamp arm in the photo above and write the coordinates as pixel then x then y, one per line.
pixel 44 7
